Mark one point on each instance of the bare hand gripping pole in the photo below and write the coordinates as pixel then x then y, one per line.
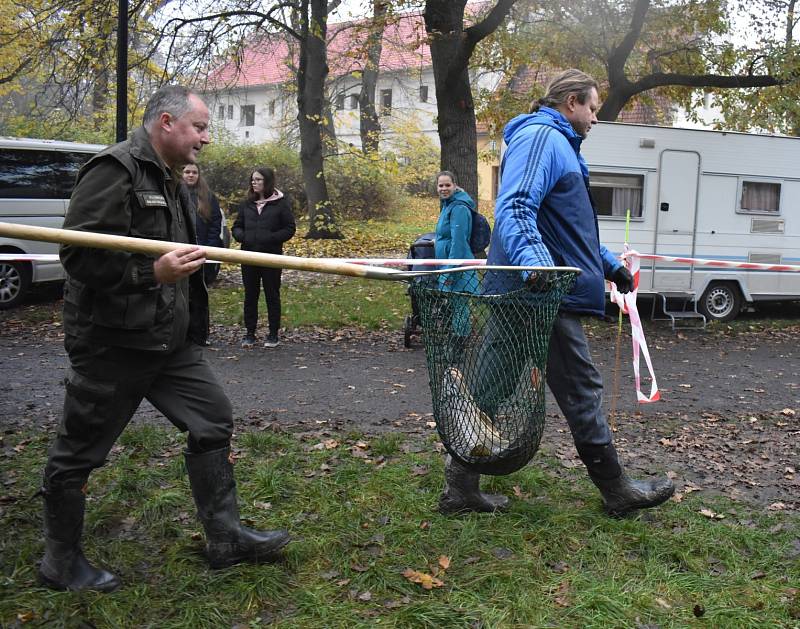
pixel 160 247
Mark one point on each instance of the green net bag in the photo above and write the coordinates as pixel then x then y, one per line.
pixel 486 335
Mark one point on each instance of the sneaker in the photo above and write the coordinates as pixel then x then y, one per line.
pixel 249 341
pixel 272 341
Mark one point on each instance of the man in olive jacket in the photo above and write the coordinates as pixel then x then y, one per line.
pixel 133 329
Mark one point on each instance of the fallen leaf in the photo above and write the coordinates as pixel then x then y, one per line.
pixel 788 412
pixel 427 581
pixel 444 562
pixel 521 494
pixel 365 596
pixel 262 505
pixel 777 506
pixel 711 515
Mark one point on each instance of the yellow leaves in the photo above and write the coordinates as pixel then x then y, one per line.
pixel 426 580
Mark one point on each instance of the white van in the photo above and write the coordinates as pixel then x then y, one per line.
pixel 36 180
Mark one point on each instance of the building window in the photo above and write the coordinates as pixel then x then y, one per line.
pixel 230 112
pixel 340 102
pixel 614 194
pixel 248 116
pixel 423 93
pixel 221 113
pixel 386 102
pixel 353 101
pixel 760 196
pixel 272 108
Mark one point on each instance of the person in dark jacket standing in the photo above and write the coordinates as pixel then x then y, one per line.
pixel 208 216
pixel 544 216
pixel 133 325
pixel 263 223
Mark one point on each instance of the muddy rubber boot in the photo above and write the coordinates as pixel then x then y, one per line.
pixel 64 566
pixel 214 491
pixel 621 494
pixel 462 492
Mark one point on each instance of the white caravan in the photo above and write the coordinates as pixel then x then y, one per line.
pixel 700 194
pixel 36 180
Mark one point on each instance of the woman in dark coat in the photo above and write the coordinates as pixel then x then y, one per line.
pixel 263 223
pixel 208 216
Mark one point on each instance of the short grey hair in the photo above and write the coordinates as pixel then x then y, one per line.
pixel 172 99
pixel 570 81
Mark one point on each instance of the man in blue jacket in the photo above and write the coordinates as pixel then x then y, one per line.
pixel 544 216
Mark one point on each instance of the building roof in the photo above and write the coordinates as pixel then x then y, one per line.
pixel 271 59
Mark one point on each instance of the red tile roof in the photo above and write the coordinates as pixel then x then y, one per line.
pixel 271 60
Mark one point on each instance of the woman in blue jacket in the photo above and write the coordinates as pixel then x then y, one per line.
pixel 453 231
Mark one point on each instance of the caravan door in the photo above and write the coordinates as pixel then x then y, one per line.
pixel 678 183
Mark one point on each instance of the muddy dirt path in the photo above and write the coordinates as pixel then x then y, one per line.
pixel 729 419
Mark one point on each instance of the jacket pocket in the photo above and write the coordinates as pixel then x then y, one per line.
pixel 136 311
pixel 150 212
pixel 89 403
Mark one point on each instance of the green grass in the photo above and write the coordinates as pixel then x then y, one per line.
pixel 553 561
pixel 368 304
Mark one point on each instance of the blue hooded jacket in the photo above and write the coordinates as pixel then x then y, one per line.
pixel 544 215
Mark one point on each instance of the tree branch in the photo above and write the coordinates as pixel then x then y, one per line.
pixel 663 79
pixel 619 55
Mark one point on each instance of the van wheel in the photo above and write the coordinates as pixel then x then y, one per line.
pixel 15 279
pixel 721 301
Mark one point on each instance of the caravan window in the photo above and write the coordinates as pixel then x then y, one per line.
pixel 760 196
pixel 616 193
pixel 39 174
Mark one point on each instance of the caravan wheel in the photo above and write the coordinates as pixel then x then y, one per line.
pixel 721 301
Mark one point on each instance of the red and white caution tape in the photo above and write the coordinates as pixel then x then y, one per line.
pixel 751 266
pixel 627 303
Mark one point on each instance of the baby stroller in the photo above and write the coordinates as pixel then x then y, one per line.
pixel 422 248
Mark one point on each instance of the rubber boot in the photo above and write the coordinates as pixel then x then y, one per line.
pixel 462 492
pixel 64 566
pixel 621 494
pixel 214 491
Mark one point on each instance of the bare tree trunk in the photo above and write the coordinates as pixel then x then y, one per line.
pixel 313 68
pixel 456 110
pixel 369 122
pixel 451 49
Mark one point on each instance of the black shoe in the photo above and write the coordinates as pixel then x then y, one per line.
pixel 249 341
pixel 64 566
pixel 272 341
pixel 462 494
pixel 214 491
pixel 621 495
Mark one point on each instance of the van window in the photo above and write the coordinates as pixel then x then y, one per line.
pixel 614 194
pixel 760 196
pixel 39 174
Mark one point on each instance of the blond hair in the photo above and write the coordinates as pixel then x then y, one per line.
pixel 570 81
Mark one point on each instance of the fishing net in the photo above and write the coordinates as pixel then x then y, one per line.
pixel 486 334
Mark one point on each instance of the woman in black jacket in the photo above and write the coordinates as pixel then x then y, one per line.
pixel 264 222
pixel 209 216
